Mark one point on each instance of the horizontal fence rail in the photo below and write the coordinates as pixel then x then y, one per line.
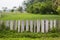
pixel 43 26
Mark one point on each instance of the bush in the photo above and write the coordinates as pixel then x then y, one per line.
pixel 55 30
pixel 41 8
pixel 58 10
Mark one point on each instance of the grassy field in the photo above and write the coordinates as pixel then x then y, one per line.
pixel 30 38
pixel 26 16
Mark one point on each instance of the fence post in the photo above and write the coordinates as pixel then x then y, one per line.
pixel 58 25
pixel 11 25
pixel 51 24
pixel 31 26
pixel 54 23
pixel 18 25
pixel 7 23
pixel 47 25
pixel 15 27
pixel 22 26
pixel 38 25
pixel 27 25
pixel 42 26
pixel 34 25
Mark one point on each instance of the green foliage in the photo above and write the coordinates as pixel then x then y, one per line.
pixel 35 8
pixel 55 30
pixel 14 34
pixel 41 7
pixel 58 10
pixel 44 38
pixel 2 15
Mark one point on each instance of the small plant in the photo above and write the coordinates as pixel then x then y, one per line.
pixel 54 30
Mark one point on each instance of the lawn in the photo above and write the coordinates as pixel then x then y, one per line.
pixel 27 16
pixel 30 38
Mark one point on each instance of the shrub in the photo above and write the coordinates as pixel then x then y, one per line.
pixel 58 10
pixel 54 30
pixel 41 8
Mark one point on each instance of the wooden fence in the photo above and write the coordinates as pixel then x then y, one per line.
pixel 31 25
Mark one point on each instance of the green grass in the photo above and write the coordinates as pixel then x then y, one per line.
pixel 27 16
pixel 30 38
pixel 13 35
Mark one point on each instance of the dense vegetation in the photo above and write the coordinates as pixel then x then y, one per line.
pixel 14 34
pixel 42 7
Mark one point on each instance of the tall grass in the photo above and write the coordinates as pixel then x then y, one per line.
pixel 27 16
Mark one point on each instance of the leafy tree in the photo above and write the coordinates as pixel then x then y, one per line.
pixel 40 6
pixel 20 9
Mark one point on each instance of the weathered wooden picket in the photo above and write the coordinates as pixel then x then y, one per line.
pixel 31 25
